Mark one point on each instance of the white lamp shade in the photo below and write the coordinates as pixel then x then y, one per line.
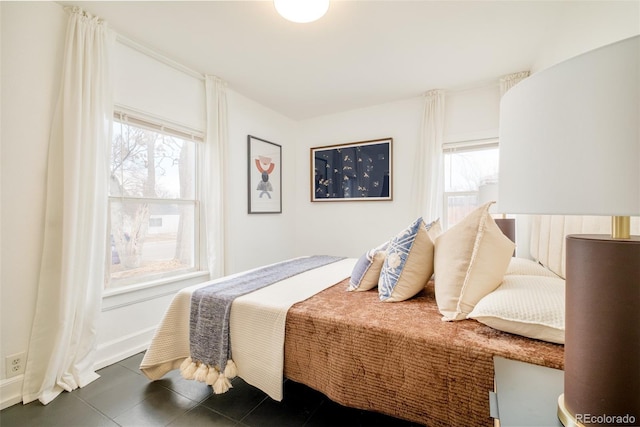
pixel 570 136
pixel 301 11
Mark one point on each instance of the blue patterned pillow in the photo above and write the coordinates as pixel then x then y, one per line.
pixel 366 272
pixel 408 265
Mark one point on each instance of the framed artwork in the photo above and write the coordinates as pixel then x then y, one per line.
pixel 352 171
pixel 265 176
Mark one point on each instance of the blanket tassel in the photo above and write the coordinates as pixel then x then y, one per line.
pixel 230 371
pixel 212 376
pixel 222 385
pixel 201 373
pixel 188 368
pixel 186 362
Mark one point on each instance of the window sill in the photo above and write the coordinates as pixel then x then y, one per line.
pixel 116 298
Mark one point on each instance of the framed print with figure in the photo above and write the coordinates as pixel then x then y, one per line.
pixel 353 171
pixel 265 176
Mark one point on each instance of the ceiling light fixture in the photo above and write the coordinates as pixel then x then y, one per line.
pixel 301 11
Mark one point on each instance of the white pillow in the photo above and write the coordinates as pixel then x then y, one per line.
pixel 470 261
pixel 527 267
pixel 531 306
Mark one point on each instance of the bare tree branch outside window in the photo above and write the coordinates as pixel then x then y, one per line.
pixel 152 191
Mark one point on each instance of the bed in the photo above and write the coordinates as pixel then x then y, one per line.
pixel 399 358
pixel 427 371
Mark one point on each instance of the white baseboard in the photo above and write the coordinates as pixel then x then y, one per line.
pixel 11 391
pixel 114 351
pixel 107 354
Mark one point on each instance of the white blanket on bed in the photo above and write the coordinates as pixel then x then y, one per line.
pixel 257 326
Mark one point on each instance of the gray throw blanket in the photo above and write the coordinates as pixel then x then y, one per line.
pixel 210 311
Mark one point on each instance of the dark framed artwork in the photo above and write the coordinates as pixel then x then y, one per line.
pixel 265 176
pixel 353 171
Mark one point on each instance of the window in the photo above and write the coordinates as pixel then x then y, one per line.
pixel 467 166
pixel 152 199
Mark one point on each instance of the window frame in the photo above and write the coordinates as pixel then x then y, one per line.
pixel 164 284
pixel 462 146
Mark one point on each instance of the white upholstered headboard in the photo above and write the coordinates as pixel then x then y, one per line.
pixel 548 234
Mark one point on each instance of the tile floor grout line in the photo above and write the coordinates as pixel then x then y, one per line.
pixel 253 409
pixel 89 404
pixel 256 408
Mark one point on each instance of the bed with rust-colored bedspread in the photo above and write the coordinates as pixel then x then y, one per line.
pixel 401 359
pixel 397 358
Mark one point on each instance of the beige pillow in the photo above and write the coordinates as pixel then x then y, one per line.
pixel 408 264
pixel 469 262
pixel 531 306
pixel 434 229
pixel 366 272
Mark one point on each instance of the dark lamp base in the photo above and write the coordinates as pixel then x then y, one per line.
pixel 507 226
pixel 565 416
pixel 602 337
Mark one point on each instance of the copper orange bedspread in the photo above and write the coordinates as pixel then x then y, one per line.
pixel 401 359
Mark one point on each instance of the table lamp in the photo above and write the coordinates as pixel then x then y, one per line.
pixel 570 145
pixel 489 192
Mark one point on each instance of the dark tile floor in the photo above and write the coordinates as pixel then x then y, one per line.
pixel 122 396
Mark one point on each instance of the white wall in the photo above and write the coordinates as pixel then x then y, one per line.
pixel 472 113
pixel 145 84
pixel 587 26
pixel 32 39
pixel 350 228
pixel 258 239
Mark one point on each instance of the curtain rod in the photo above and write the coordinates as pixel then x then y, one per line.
pixel 158 57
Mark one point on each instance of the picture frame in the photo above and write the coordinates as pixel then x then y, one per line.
pixel 355 171
pixel 264 167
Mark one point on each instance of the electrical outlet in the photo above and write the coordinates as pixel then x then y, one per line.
pixel 15 364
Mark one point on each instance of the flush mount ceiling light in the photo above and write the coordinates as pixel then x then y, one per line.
pixel 301 11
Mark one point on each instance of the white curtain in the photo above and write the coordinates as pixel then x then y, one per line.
pixel 213 164
pixel 510 80
pixel 428 174
pixel 73 264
